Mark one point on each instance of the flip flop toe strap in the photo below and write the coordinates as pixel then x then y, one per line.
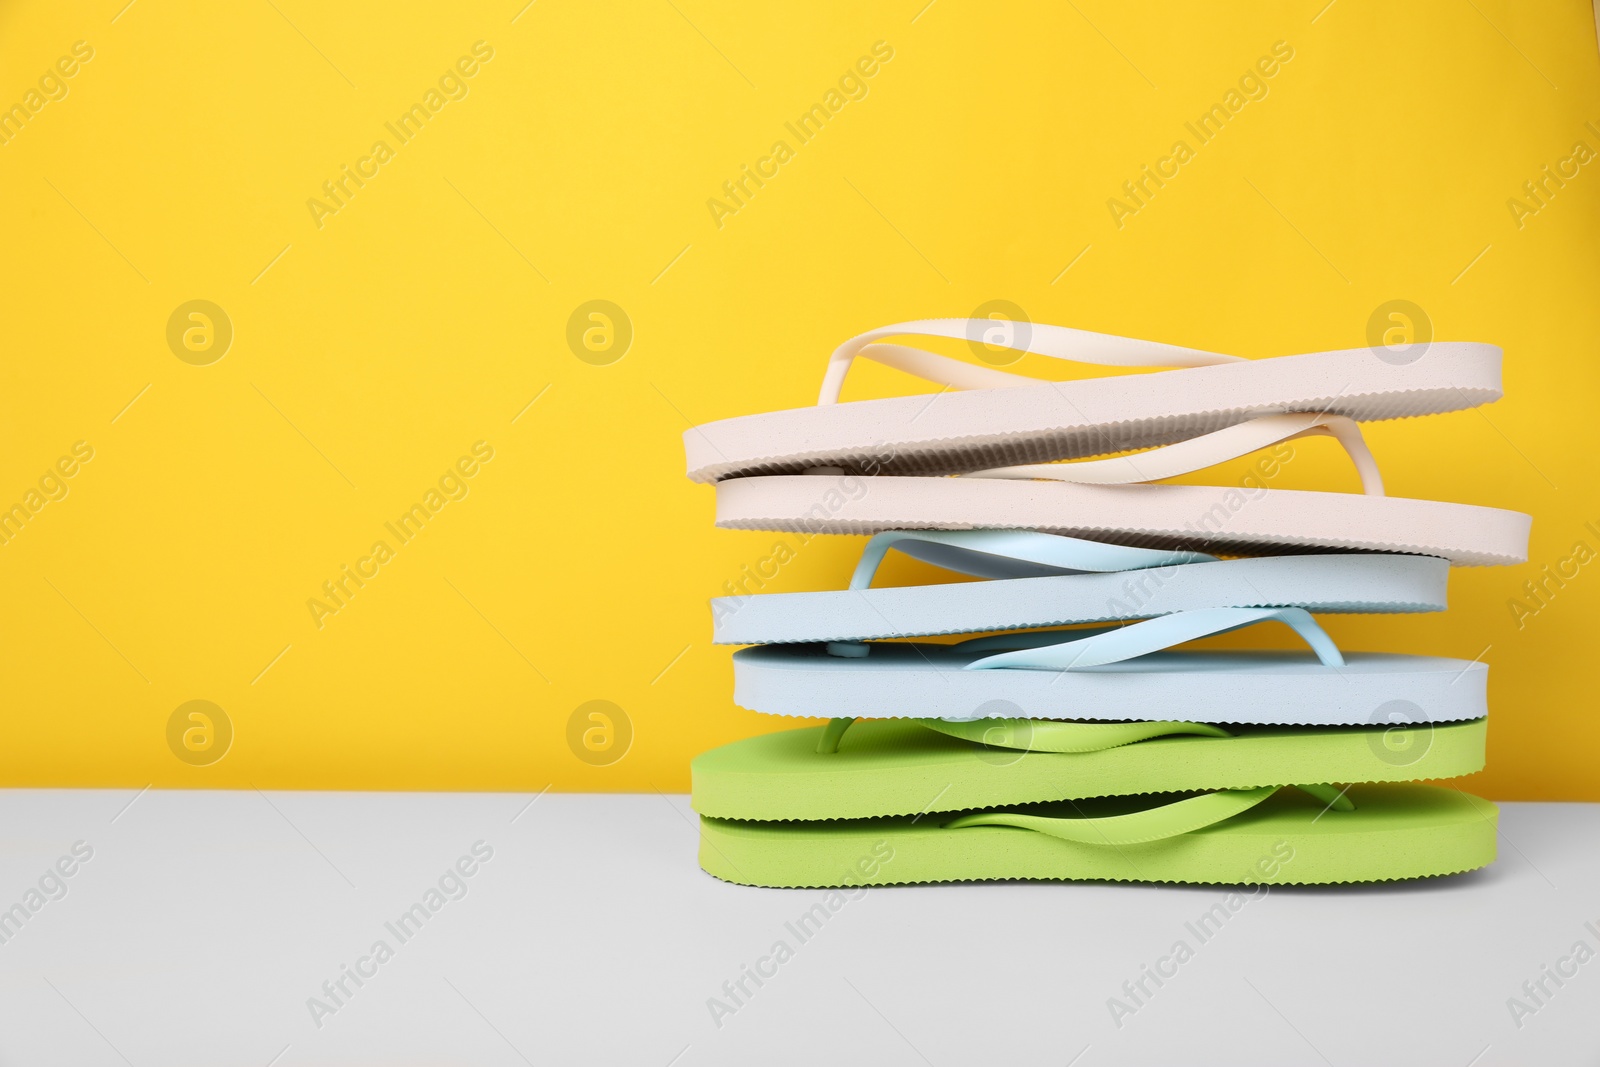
pixel 1040 735
pixel 1057 342
pixel 1069 650
pixel 1046 735
pixel 1209 449
pixel 1066 650
pixel 1153 824
pixel 1084 346
pixel 989 553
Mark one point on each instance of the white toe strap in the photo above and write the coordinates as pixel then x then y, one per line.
pixel 1058 342
pixel 1205 451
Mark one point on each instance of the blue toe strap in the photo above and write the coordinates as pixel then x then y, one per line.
pixel 1065 650
pixel 1012 554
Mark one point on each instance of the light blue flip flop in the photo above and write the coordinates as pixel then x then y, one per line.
pixel 1117 673
pixel 1042 579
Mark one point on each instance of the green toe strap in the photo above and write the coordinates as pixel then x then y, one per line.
pixel 1153 824
pixel 831 734
pixel 1048 735
pixel 1334 798
pixel 1040 735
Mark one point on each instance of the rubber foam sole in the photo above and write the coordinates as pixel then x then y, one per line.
pixel 1226 519
pixel 1396 832
pixel 906 680
pixel 894 767
pixel 950 432
pixel 1332 583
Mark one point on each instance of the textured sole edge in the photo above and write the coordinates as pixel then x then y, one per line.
pixel 864 443
pixel 1218 519
pixel 1109 881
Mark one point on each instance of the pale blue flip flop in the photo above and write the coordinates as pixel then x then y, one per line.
pixel 1117 673
pixel 1042 579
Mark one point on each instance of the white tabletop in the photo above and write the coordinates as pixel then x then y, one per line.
pixel 201 924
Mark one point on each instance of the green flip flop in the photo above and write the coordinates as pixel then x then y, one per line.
pixel 886 767
pixel 1235 837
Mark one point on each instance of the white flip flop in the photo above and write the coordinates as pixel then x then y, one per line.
pixel 1039 579
pixel 1000 418
pixel 1100 500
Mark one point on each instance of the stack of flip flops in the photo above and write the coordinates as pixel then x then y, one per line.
pixel 1096 751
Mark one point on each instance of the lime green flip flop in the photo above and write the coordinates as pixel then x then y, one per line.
pixel 886 767
pixel 1371 833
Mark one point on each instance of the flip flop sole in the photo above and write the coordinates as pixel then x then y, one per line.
pixel 905 680
pixel 888 767
pixel 1226 519
pixel 951 432
pixel 1331 583
pixel 1396 832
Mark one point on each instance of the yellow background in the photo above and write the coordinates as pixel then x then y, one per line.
pixel 429 311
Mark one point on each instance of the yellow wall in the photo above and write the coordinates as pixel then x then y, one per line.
pixel 376 345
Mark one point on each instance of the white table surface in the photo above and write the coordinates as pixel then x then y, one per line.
pixel 204 921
